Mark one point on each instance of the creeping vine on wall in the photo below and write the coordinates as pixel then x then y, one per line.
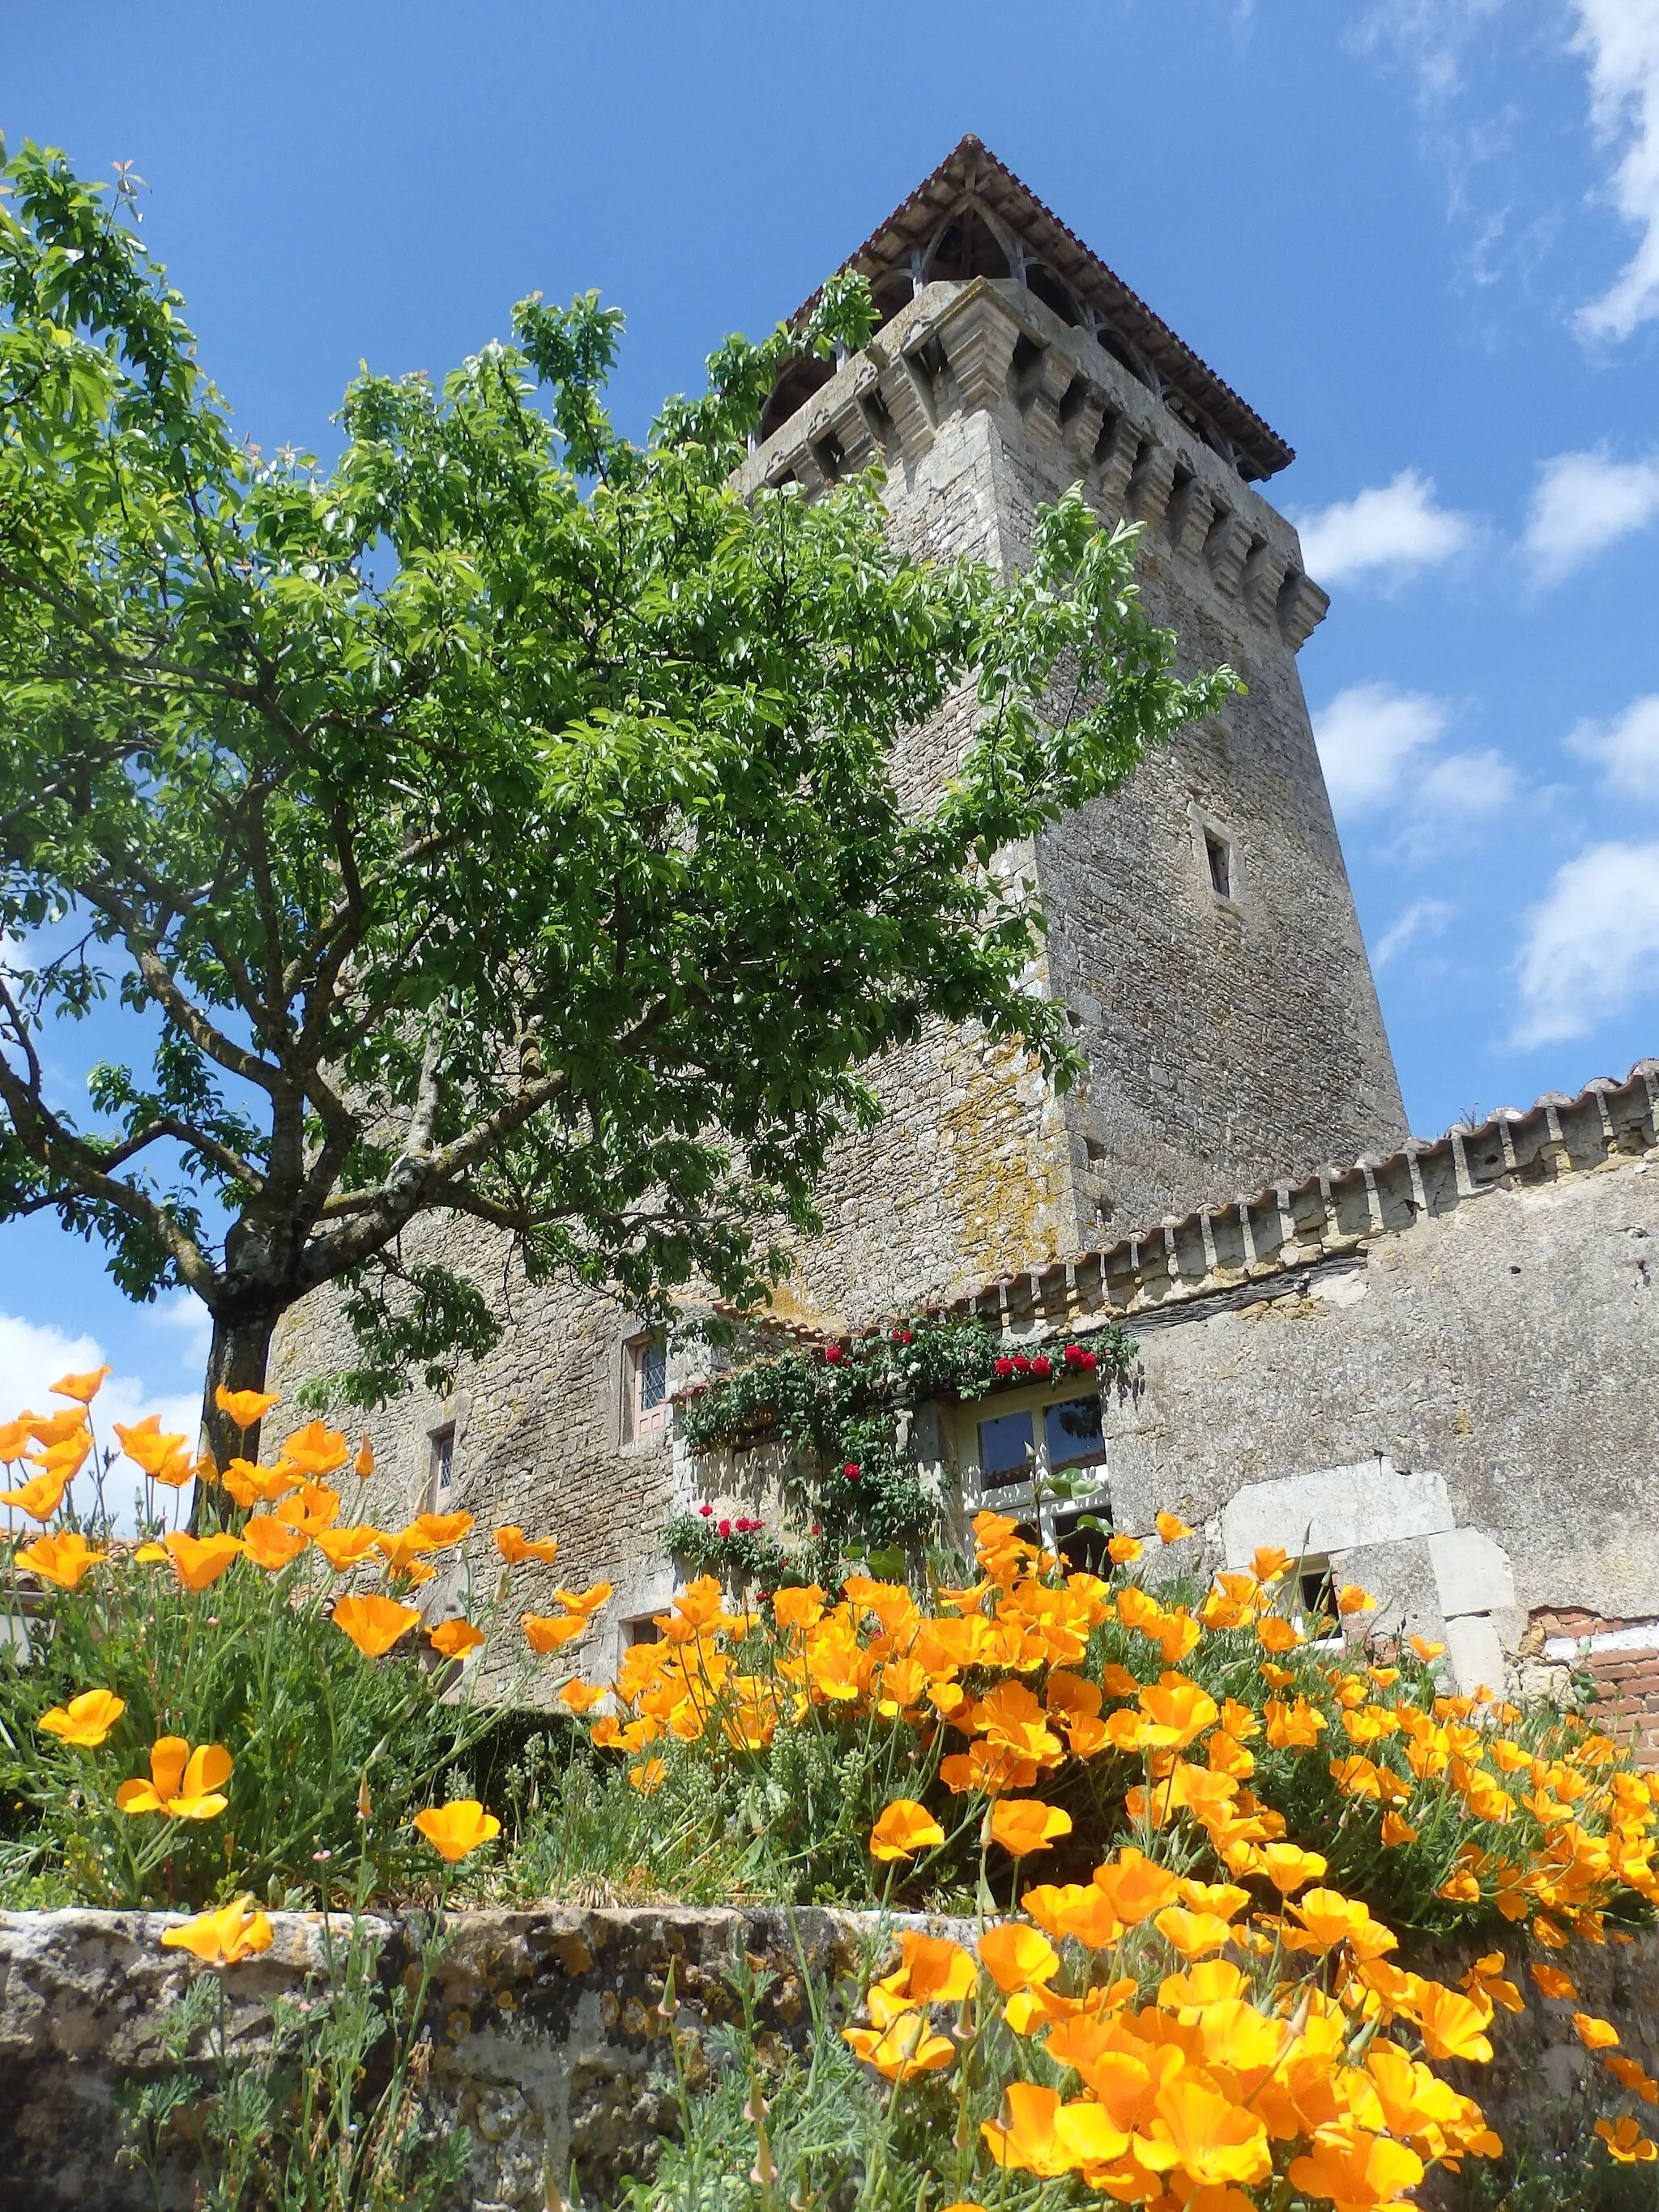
pixel 845 1411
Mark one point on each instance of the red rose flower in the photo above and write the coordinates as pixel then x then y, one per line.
pixel 1004 1368
pixel 725 1528
pixel 1022 1366
pixel 1041 1368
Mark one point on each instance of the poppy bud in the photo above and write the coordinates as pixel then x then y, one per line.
pixel 1041 1368
pixel 1004 1368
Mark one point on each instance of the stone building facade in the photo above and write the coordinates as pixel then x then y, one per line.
pixel 1203 937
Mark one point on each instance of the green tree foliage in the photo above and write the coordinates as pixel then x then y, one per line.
pixel 500 820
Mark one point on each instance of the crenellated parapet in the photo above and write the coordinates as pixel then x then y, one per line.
pixel 992 344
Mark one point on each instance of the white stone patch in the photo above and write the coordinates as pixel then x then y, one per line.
pixel 1346 1289
pixel 1476 1654
pixel 1341 1509
pixel 1471 1572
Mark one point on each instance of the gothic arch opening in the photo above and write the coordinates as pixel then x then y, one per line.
pixel 967 247
pixel 1052 293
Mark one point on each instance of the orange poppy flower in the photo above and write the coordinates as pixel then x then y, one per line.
pixel 904 1829
pixel 86 1721
pixel 375 1624
pixel 84 1387
pixel 908 2046
pixel 255 1486
pixel 1552 1981
pixel 1625 2142
pixel 271 1544
pixel 177 1468
pixel 39 1497
pixel 183 1783
pixel 515 1547
pixel 1027 2141
pixel 454 1829
pixel 1633 2077
pixel 440 1530
pixel 199 1560
pixel 584 1602
pixel 1135 1886
pixel 1171 1528
pixel 403 1548
pixel 455 1639
pixel 1453 2026
pixel 580 1697
pixel 237 1931
pixel 1193 1934
pixel 13 1435
pixel 316 1449
pixel 1025 1825
pixel 50 1429
pixel 60 1559
pixel 1014 1955
pixel 313 1505
pixel 363 1466
pixel 649 1777
pixel 1396 1829
pixel 245 1408
pixel 1596 2034
pixel 1357 2168
pixel 145 1445
pixel 1289 1868
pixel 68 1456
pixel 545 1632
pixel 345 1548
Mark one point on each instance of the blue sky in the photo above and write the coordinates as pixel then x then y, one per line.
pixel 1420 236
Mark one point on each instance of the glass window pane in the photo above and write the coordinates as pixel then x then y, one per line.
pixel 1071 1432
pixel 653 1374
pixel 1004 1446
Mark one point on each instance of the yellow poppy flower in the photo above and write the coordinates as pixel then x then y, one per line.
pixel 454 1829
pixel 199 1560
pixel 237 1931
pixel 904 1829
pixel 86 1721
pixel 60 1559
pixel 183 1783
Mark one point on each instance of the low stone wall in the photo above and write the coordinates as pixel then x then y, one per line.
pixel 548 2042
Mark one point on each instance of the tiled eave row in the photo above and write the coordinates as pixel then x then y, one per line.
pixel 1226 1249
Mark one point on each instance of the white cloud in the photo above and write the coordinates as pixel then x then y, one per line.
pixel 1394 527
pixel 1583 501
pixel 32 1357
pixel 1424 917
pixel 1627 748
pixel 1368 737
pixel 1592 946
pixel 1621 40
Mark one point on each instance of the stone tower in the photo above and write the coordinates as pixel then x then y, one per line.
pixel 1201 929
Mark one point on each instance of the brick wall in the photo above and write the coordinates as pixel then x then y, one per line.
pixel 1622 1656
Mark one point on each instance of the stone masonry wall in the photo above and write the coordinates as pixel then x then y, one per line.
pixel 547 2040
pixel 1439 1372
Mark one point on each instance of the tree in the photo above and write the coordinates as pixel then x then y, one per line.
pixel 501 820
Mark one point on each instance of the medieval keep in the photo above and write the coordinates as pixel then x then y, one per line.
pixel 1432 1368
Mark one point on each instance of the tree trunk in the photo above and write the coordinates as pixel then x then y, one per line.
pixel 236 1361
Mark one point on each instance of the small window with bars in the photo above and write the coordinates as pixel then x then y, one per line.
pixel 645 1388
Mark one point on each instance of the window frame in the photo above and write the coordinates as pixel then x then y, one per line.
pixel 438 1486
pixel 1014 1498
pixel 643 1425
